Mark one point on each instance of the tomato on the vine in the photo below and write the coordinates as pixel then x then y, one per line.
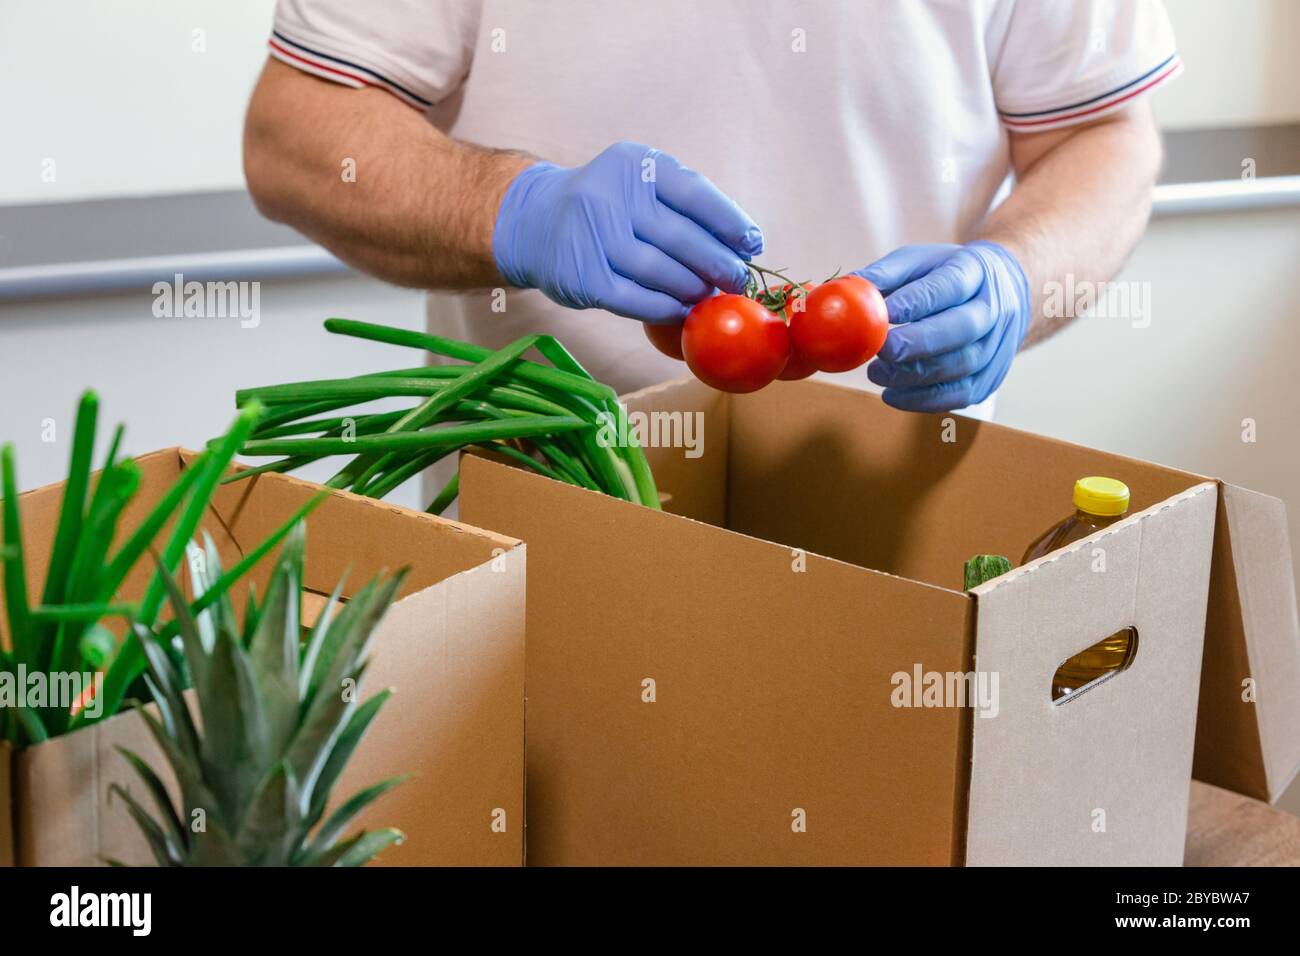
pixel 734 344
pixel 798 366
pixel 842 325
pixel 786 301
pixel 666 338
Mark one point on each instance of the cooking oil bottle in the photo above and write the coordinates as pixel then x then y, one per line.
pixel 1098 502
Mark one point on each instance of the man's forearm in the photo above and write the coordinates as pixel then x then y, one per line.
pixel 372 181
pixel 1081 202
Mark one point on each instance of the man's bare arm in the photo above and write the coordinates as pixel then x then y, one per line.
pixel 1081 202
pixel 422 208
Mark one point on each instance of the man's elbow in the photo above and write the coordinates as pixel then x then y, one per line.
pixel 260 170
pixel 1148 149
pixel 265 161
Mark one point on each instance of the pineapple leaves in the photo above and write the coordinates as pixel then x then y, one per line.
pixel 316 640
pixel 334 696
pixel 270 828
pixel 347 741
pixel 273 647
pixel 194 791
pixel 366 846
pixel 355 851
pixel 161 800
pixel 273 743
pixel 164 849
pixel 165 688
pixel 236 746
pixel 333 828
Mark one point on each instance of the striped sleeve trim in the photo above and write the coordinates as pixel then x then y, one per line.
pixel 1095 106
pixel 339 70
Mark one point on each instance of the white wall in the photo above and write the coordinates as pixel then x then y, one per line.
pixel 173 381
pixel 1242 64
pixel 116 93
pixel 124 96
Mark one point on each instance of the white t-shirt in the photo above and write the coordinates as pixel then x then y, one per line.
pixel 845 129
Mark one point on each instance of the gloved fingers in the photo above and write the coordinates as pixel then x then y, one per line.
pixel 938 334
pixel 650 267
pixel 692 246
pixel 690 193
pixel 905 264
pixel 622 296
pixel 948 367
pixel 943 397
pixel 962 392
pixel 957 279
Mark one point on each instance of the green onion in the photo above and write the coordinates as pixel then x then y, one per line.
pixel 545 417
pixel 84 574
pixel 455 435
pixel 446 496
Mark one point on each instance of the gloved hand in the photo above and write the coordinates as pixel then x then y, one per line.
pixel 962 313
pixel 633 231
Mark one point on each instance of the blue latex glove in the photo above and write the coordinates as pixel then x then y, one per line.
pixel 962 313
pixel 633 231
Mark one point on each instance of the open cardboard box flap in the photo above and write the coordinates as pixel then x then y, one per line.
pixel 1248 726
pixel 451 645
pixel 921 468
pixel 1051 750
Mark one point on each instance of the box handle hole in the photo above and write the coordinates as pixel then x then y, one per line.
pixel 1094 665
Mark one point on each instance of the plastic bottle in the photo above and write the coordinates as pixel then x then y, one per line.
pixel 1098 502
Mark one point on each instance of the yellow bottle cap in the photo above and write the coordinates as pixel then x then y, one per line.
pixel 1101 496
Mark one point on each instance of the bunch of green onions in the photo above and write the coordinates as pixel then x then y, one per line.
pixel 554 419
pixel 59 630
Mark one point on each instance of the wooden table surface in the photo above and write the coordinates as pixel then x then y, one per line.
pixel 1227 829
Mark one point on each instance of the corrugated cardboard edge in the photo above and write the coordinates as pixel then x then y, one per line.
pixel 1261 562
pixel 471 636
pixel 8 806
pixel 1045 820
pixel 1229 749
pixel 187 455
pixel 965 747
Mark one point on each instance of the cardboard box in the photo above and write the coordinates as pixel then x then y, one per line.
pixel 703 691
pixel 452 646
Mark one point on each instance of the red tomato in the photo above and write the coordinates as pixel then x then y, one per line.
pixel 799 366
pixel 666 338
pixel 733 344
pixel 843 324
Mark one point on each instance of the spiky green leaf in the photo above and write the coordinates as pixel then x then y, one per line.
pixel 170 822
pixel 164 850
pixel 340 819
pixel 341 753
pixel 369 845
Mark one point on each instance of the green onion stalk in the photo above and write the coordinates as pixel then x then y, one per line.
pixel 59 629
pixel 554 419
